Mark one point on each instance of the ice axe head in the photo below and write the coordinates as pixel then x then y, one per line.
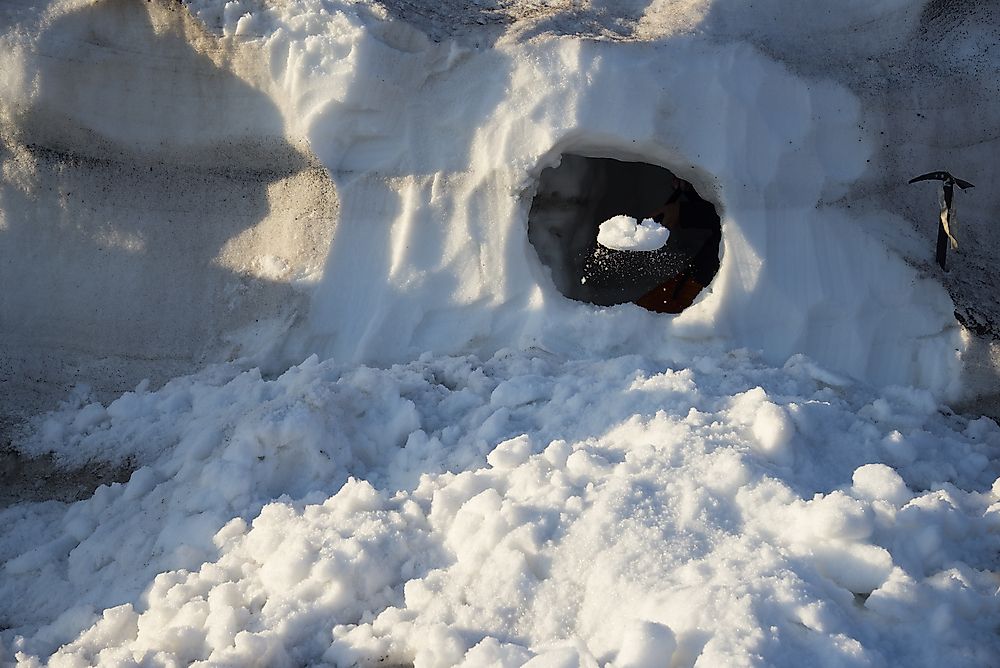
pixel 946 177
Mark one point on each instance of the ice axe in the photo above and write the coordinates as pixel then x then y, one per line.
pixel 947 217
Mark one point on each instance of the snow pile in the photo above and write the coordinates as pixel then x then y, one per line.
pixel 431 251
pixel 529 507
pixel 628 234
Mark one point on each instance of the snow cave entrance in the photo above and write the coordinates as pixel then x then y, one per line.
pixel 575 197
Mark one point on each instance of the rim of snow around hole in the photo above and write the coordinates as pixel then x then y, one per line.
pixel 573 198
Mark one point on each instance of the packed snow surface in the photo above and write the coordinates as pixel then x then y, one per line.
pixel 434 150
pixel 469 468
pixel 628 234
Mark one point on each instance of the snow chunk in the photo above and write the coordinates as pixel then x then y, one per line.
pixel 562 657
pixel 511 453
pixel 519 391
pixel 633 493
pixel 629 234
pixel 770 424
pixel 878 481
pixel 558 451
pixel 773 430
pixel 855 567
pixel 839 516
pixel 646 645
pixel 491 652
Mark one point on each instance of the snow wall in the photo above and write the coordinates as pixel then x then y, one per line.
pixel 406 167
pixel 153 214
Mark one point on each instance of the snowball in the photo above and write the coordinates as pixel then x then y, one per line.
pixel 628 234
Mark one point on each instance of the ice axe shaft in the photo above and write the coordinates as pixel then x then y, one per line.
pixel 945 220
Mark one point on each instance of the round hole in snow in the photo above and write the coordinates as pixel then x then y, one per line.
pixel 576 197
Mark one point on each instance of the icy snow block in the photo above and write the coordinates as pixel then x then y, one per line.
pixel 629 234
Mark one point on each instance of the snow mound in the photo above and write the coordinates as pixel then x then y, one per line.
pixel 628 234
pixel 526 508
pixel 426 247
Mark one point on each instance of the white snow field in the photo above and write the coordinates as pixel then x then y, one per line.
pixel 274 258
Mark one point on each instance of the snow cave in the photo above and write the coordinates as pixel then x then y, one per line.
pixel 573 199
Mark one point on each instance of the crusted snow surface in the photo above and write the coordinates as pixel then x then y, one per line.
pixel 697 509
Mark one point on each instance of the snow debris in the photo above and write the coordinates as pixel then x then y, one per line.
pixel 632 510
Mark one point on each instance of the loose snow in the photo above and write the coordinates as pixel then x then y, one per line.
pixel 525 507
pixel 377 433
